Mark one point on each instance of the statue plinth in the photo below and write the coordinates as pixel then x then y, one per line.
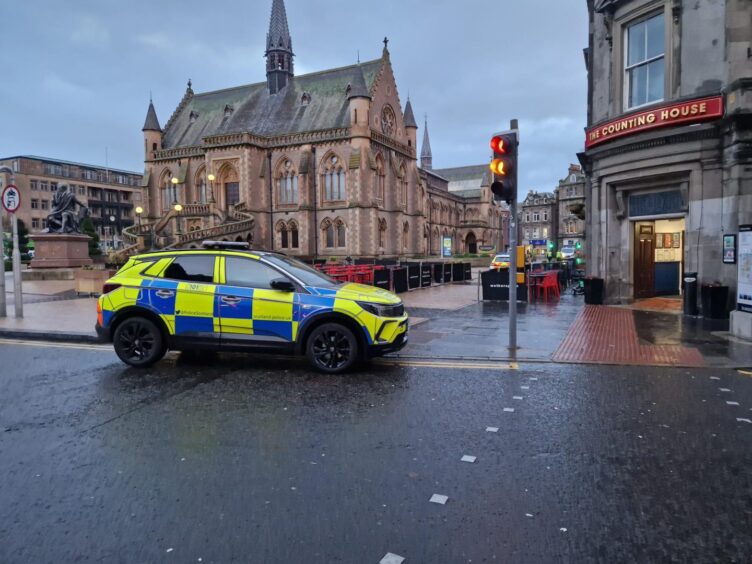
pixel 60 250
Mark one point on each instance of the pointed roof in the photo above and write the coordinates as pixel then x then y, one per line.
pixel 425 152
pixel 409 116
pixel 279 33
pixel 357 88
pixel 151 123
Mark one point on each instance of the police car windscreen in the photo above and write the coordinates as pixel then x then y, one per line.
pixel 306 274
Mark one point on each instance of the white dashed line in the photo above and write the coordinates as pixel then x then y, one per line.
pixel 391 558
pixel 524 387
pixel 732 403
pixel 509 409
pixel 724 389
pixel 517 397
pixel 492 429
pixel 743 420
pixel 468 458
pixel 438 498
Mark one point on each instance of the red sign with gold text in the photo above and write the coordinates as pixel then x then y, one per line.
pixel 691 111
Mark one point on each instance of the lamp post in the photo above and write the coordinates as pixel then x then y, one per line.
pixel 139 210
pixel 211 179
pixel 178 208
pixel 112 231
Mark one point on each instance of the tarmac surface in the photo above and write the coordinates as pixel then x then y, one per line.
pixel 235 458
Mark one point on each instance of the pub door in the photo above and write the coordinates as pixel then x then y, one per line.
pixel 644 261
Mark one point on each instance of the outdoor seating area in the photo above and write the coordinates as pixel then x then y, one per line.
pixel 400 277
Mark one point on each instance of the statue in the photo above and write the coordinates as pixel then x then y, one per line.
pixel 64 217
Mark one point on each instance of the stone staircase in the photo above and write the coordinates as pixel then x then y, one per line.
pixel 234 222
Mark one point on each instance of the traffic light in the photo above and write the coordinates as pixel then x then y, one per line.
pixel 504 166
pixel 578 246
pixel 550 245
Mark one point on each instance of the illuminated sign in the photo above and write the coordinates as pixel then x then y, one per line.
pixel 691 111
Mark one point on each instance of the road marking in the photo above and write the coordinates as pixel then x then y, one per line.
pixel 50 344
pixel 439 498
pixel 468 458
pixel 439 364
pixel 745 372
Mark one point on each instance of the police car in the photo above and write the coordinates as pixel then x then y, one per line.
pixel 227 297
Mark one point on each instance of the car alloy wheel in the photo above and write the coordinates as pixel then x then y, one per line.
pixel 138 342
pixel 332 348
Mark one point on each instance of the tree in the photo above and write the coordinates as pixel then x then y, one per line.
pixel 87 227
pixel 23 237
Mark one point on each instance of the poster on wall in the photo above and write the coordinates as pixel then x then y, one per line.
pixel 744 273
pixel 729 249
pixel 446 247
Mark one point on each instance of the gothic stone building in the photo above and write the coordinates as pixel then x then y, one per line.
pixel 317 165
pixel 668 150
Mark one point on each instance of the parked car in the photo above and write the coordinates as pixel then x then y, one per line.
pixel 229 298
pixel 567 252
pixel 500 261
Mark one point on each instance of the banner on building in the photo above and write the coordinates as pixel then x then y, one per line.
pixel 744 273
pixel 446 246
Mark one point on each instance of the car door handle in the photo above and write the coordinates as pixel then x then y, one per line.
pixel 165 293
pixel 231 300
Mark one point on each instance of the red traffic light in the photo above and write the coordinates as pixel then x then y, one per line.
pixel 500 144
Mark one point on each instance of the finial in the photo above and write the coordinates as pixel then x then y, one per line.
pixel 150 100
pixel 386 42
pixel 358 56
pixel 189 84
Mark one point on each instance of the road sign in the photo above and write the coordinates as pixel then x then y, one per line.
pixel 11 198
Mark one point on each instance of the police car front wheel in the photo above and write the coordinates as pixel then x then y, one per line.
pixel 138 342
pixel 332 348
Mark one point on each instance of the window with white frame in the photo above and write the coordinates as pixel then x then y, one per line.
pixel 644 63
pixel 536 216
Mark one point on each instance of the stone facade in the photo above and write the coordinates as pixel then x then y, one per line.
pixel 106 192
pixel 668 158
pixel 538 222
pixel 571 193
pixel 325 165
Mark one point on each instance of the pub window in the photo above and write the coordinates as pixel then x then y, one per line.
pixel 644 65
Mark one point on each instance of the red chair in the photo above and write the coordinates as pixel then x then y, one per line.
pixel 549 284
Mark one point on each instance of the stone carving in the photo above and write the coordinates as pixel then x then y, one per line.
pixel 67 212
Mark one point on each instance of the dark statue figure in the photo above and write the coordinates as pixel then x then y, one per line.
pixel 65 217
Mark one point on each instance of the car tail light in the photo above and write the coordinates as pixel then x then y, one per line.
pixel 107 288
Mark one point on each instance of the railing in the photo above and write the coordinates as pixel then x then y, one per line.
pixel 196 209
pixel 130 234
pixel 391 143
pixel 212 232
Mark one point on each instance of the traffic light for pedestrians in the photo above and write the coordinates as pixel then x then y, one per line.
pixel 504 166
pixel 578 246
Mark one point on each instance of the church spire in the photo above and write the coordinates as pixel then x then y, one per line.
pixel 279 55
pixel 151 123
pixel 426 158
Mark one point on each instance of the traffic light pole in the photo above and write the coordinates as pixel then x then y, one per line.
pixel 513 258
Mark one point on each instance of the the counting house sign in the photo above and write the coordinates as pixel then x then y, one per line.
pixel 691 111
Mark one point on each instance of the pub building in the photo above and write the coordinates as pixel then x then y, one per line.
pixel 668 146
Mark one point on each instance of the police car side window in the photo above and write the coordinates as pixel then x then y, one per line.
pixel 197 268
pixel 249 273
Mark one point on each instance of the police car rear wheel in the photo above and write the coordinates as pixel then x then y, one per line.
pixel 138 342
pixel 332 348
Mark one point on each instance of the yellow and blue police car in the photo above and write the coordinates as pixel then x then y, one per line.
pixel 227 297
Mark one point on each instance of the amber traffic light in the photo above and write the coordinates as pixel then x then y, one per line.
pixel 504 165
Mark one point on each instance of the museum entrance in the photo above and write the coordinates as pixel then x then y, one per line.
pixel 658 257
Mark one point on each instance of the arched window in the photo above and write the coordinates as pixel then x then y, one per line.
pixel 380 179
pixel 293 229
pixel 284 240
pixel 169 190
pixel 405 234
pixel 199 181
pixel 228 179
pixel 382 232
pixel 340 226
pixel 333 179
pixel 287 183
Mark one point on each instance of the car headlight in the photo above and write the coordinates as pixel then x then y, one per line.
pixel 383 310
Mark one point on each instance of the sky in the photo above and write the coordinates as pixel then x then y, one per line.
pixel 77 74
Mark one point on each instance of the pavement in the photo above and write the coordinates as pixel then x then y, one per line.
pixel 231 458
pixel 449 322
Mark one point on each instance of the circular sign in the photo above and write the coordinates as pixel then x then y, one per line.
pixel 11 198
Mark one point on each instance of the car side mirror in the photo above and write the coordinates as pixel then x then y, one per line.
pixel 283 285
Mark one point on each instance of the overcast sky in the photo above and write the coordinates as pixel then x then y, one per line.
pixel 76 75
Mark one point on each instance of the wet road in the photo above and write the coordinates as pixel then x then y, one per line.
pixel 241 460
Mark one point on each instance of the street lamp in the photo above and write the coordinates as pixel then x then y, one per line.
pixel 174 181
pixel 211 178
pixel 112 230
pixel 178 208
pixel 139 210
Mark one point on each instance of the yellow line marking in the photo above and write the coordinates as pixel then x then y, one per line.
pixel 49 344
pixel 457 365
pixel 745 372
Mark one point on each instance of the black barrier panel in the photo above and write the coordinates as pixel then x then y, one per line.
pixel 458 272
pixel 413 275
pixel 447 272
pixel 399 279
pixel 438 273
pixel 381 279
pixel 425 275
pixel 468 271
pixel 495 286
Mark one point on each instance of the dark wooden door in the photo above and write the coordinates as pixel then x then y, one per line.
pixel 644 262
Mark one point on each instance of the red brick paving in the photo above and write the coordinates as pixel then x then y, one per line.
pixel 607 335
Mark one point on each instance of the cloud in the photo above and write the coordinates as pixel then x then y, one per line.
pixel 58 85
pixel 88 30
